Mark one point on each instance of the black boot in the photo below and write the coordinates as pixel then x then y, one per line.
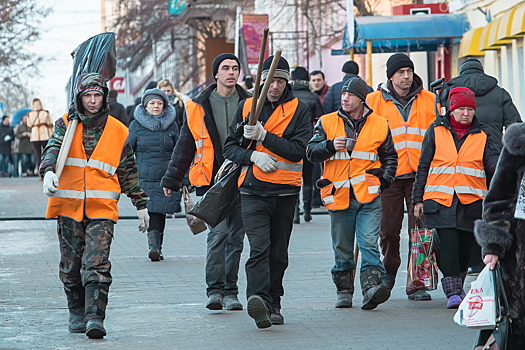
pixel 307 203
pixel 375 292
pixel 297 217
pixel 75 303
pixel 154 244
pixel 161 235
pixel 96 301
pixel 344 282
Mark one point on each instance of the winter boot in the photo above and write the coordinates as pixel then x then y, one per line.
pixel 259 311
pixel 231 302
pixel 297 215
pixel 344 282
pixel 307 203
pixel 374 289
pixel 215 301
pixel 161 240
pixel 275 317
pixel 96 301
pixel 154 245
pixel 75 303
pixel 453 288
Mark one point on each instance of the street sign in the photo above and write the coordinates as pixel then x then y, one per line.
pixel 175 7
pixel 118 84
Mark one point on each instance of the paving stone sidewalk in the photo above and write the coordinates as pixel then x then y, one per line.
pixel 161 305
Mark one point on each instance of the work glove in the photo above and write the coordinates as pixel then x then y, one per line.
pixel 379 172
pixel 254 132
pixel 7 138
pixel 144 219
pixel 264 161
pixel 50 183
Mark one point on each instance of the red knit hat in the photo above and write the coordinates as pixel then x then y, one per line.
pixel 461 97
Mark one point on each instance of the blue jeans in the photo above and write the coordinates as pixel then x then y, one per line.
pixel 4 163
pixel 358 220
pixel 225 242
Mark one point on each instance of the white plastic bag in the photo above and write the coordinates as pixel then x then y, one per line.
pixel 478 308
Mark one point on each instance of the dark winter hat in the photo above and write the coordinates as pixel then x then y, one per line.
pixel 356 86
pixel 461 97
pixel 217 62
pixel 350 67
pixel 90 82
pixel 151 85
pixel 152 94
pixel 396 62
pixel 300 73
pixel 282 70
pixel 471 63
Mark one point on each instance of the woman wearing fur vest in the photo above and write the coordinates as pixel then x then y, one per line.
pixel 501 234
pixel 153 135
pixel 39 120
pixel 457 161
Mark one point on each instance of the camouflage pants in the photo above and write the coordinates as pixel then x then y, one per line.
pixel 84 251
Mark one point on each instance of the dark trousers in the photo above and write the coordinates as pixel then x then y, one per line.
pixel 84 251
pixel 157 222
pixel 39 148
pixel 316 175
pixel 393 201
pixel 307 172
pixel 268 222
pixel 455 247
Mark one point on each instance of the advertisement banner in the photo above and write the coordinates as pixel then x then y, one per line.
pixel 252 30
pixel 118 84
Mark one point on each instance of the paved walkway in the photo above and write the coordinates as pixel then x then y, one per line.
pixel 161 305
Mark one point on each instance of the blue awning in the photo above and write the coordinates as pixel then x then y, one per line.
pixel 405 33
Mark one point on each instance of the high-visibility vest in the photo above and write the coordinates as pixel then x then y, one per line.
pixel 201 170
pixel 462 173
pixel 345 170
pixel 407 136
pixel 90 188
pixel 288 172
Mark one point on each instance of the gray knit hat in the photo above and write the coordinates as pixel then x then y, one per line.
pixel 282 71
pixel 356 86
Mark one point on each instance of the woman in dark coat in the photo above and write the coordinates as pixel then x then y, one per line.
pixel 153 135
pixel 501 234
pixel 457 160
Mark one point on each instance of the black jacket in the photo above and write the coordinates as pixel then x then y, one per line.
pixel 301 90
pixel 332 100
pixel 291 145
pixel 185 149
pixel 116 110
pixel 458 215
pixel 5 146
pixel 321 149
pixel 494 107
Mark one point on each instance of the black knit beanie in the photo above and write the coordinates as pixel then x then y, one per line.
pixel 217 62
pixel 300 73
pixel 356 86
pixel 282 70
pixel 350 67
pixel 396 62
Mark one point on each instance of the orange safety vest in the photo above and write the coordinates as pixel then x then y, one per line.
pixel 345 170
pixel 201 169
pixel 450 171
pixel 287 173
pixel 407 136
pixel 90 188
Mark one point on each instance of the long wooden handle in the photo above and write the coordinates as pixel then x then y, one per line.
pixel 66 145
pixel 258 76
pixel 267 83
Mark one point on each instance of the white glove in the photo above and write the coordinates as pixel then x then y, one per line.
pixel 144 219
pixel 50 183
pixel 254 132
pixel 264 161
pixel 7 138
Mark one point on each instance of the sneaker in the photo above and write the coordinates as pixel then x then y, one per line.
pixel 276 318
pixel 419 295
pixel 231 302
pixel 258 310
pixel 214 301
pixel 454 301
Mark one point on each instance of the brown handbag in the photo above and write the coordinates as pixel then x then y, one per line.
pixel 195 224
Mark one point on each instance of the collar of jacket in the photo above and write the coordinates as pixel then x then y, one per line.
pixel 366 112
pixel 160 122
pixel 300 85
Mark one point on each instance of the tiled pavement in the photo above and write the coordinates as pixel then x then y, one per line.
pixel 161 305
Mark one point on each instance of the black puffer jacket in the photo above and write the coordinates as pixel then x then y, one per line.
pixel 494 106
pixel 301 90
pixel 185 149
pixel 291 146
pixel 458 215
pixel 153 139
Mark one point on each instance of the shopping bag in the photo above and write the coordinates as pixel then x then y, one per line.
pixel 195 224
pixel 222 198
pixel 478 308
pixel 422 266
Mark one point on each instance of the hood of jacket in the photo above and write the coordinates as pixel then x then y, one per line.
pixel 86 81
pixel 36 105
pixel 471 76
pixel 155 123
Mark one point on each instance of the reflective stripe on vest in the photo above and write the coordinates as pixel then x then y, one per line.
pixel 460 172
pixel 407 136
pixel 344 170
pixel 202 167
pixel 288 172
pixel 91 188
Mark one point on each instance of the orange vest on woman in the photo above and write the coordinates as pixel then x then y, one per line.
pixel 287 173
pixel 345 170
pixel 90 188
pixel 462 173
pixel 202 167
pixel 407 136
